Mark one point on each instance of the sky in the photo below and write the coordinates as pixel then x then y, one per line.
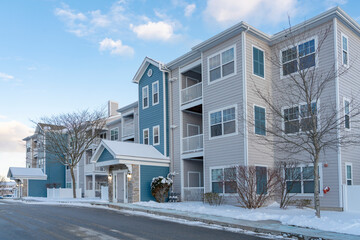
pixel 59 56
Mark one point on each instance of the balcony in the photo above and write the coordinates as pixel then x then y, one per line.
pixel 128 130
pixel 192 144
pixel 191 94
pixel 89 168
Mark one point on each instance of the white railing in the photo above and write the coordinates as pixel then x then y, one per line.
pixel 91 168
pixel 193 143
pixel 62 193
pixel 191 93
pixel 193 193
pixel 128 130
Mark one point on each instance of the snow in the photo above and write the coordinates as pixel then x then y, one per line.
pixel 42 200
pixel 26 173
pixel 342 222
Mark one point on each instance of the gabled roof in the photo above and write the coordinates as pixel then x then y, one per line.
pixel 129 153
pixel 16 173
pixel 127 107
pixel 140 72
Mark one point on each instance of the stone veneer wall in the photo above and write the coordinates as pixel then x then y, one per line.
pixel 25 188
pixel 133 183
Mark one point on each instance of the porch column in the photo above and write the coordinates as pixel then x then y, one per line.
pixel 93 184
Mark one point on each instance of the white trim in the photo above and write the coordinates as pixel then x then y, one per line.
pixel 165 90
pixel 351 172
pixel 152 93
pixel 342 50
pixel 221 74
pixel 142 97
pixel 252 62
pixel 118 134
pixel 244 80
pixel 186 68
pixel 114 173
pixel 267 176
pixel 139 182
pixel 222 122
pixel 154 127
pixel 143 136
pixel 347 100
pixel 193 172
pixel 221 167
pixel 256 105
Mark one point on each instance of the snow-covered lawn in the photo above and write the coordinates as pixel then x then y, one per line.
pixel 342 222
pixel 37 200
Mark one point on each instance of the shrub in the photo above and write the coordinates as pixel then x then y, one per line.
pixel 213 199
pixel 160 187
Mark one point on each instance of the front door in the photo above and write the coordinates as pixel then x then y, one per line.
pixel 120 187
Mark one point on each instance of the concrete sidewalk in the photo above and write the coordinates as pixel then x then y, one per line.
pixel 268 226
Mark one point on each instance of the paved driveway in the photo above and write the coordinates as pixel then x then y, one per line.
pixel 32 221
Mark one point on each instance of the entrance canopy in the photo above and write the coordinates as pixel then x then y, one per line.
pixel 17 173
pixel 115 152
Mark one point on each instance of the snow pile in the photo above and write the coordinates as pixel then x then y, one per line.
pixel 342 222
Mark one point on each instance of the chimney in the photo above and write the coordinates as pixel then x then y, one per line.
pixel 112 107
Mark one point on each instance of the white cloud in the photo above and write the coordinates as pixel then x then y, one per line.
pixel 116 47
pixel 99 20
pixel 334 3
pixel 3 117
pixel 255 11
pixel 75 22
pixel 6 77
pixel 11 135
pixel 11 159
pixel 70 14
pixel 189 10
pixel 154 31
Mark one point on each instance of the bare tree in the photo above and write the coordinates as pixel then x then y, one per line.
pixel 304 119
pixel 67 136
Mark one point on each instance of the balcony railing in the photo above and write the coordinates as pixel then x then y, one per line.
pixel 193 143
pixel 91 168
pixel 128 130
pixel 193 193
pixel 191 93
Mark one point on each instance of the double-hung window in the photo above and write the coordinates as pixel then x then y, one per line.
pixel 223 122
pixel 222 64
pixel 258 62
pixel 300 118
pixel 145 97
pixel 348 170
pixel 146 136
pixel 114 134
pixel 223 180
pixel 155 93
pixel 347 114
pixel 299 57
pixel 156 135
pixel 300 179
pixel 261 180
pixel 345 50
pixel 260 122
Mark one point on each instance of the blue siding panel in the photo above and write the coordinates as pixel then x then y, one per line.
pixel 106 156
pixel 147 173
pixel 55 172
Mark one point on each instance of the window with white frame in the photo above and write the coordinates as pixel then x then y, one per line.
pixel 347 114
pixel 258 62
pixel 349 177
pixel 114 134
pixel 301 179
pixel 145 97
pixel 261 179
pixel 223 180
pixel 299 57
pixel 260 122
pixel 223 122
pixel 222 64
pixel 156 135
pixel 155 93
pixel 146 136
pixel 345 51
pixel 299 118
pixel 68 185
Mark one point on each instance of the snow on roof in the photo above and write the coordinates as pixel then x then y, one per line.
pixel 26 173
pixel 133 150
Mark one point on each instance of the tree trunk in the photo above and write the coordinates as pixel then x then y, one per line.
pixel 316 186
pixel 73 181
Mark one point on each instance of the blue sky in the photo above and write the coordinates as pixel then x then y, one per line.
pixel 60 56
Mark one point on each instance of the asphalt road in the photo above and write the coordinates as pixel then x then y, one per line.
pixel 32 221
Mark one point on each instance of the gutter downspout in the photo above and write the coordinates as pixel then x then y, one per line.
pixel 243 63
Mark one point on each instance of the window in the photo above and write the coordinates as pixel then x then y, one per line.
pixel 155 93
pixel 114 134
pixel 223 122
pixel 300 179
pixel 223 180
pixel 345 51
pixel 145 97
pixel 349 180
pixel 102 135
pixel 260 122
pixel 222 64
pixel 258 62
pixel 304 53
pixel 146 136
pixel 156 135
pixel 347 114
pixel 261 180
pixel 299 118
pixel 68 185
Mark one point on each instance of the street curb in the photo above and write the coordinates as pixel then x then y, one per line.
pixel 264 227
